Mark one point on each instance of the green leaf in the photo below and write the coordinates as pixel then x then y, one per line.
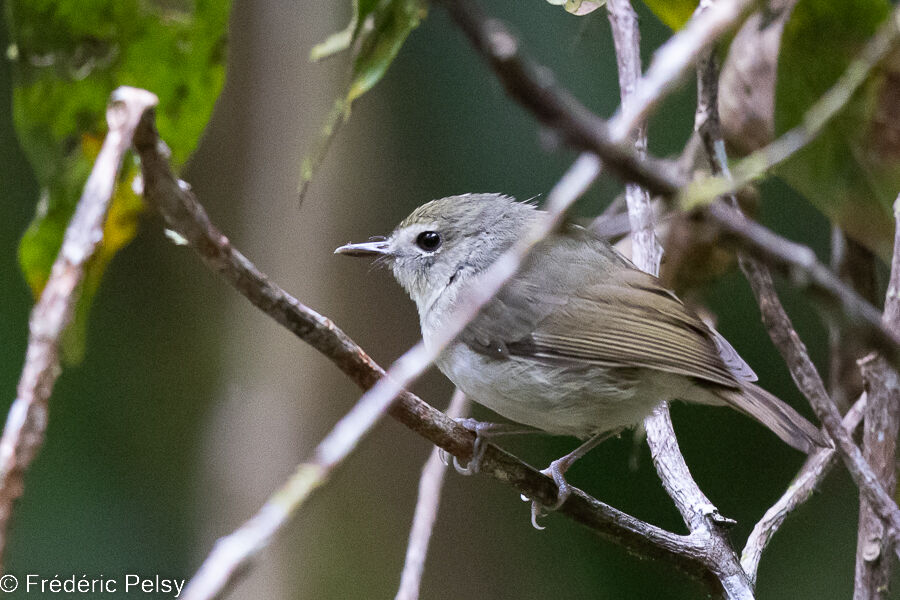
pixel 67 57
pixel 851 172
pixel 673 13
pixel 377 31
pixel 579 7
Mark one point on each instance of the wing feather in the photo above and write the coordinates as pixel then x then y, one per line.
pixel 576 315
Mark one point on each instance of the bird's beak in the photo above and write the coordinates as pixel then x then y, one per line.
pixel 379 248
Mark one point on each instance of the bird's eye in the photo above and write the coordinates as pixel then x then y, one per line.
pixel 429 241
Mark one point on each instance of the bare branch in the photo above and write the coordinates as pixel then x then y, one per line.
pixel 814 470
pixel 185 216
pixel 798 264
pixel 535 88
pixel 810 384
pixel 26 423
pixel 430 484
pixel 873 560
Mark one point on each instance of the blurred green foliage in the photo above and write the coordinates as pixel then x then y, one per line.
pixel 851 172
pixel 674 13
pixel 67 57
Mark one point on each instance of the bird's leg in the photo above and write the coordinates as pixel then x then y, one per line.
pixel 483 432
pixel 557 470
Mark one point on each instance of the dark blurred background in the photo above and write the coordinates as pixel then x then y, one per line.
pixel 191 406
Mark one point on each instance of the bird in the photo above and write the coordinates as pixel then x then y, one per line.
pixel 579 342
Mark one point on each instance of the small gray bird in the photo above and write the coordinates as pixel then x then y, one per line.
pixel 579 342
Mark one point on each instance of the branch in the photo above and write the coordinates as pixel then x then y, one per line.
pixel 185 216
pixel 814 470
pixel 430 484
pixel 873 561
pixel 26 423
pixel 535 88
pixel 798 264
pixel 674 59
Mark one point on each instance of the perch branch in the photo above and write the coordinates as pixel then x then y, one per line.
pixel 430 484
pixel 184 215
pixel 26 422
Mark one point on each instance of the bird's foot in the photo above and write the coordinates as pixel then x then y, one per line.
pixel 484 431
pixel 556 471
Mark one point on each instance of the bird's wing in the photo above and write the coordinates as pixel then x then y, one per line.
pixel 632 323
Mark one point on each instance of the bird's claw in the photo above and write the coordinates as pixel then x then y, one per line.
pixel 478 447
pixel 563 491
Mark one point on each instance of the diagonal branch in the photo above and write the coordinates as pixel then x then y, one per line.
pixel 778 323
pixel 26 423
pixel 184 215
pixel 801 489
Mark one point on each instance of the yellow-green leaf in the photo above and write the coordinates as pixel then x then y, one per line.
pixel 67 57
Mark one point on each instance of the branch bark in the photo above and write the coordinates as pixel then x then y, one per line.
pixel 779 325
pixel 698 513
pixel 26 423
pixel 873 560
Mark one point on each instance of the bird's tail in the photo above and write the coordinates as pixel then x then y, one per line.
pixel 781 419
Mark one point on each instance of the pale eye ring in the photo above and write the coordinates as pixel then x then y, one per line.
pixel 429 241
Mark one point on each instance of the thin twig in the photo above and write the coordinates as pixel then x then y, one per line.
pixel 877 49
pixel 535 88
pixel 808 381
pixel 672 62
pixel 26 423
pixel 430 484
pixel 698 512
pixel 801 489
pixel 185 216
pixel 873 560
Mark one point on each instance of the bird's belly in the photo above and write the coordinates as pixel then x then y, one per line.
pixel 579 401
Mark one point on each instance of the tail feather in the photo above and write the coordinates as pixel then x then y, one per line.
pixel 781 419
